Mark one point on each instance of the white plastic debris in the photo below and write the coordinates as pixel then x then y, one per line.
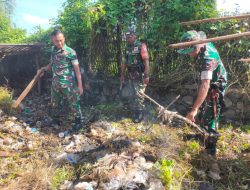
pixel 68 157
pixel 83 186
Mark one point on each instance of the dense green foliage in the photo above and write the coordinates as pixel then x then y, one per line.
pixel 8 33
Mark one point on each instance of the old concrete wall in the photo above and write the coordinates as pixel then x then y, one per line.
pixel 17 71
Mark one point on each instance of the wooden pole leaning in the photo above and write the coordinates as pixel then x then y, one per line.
pixel 211 20
pixel 203 41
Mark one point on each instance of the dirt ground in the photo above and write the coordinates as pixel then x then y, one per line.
pixel 111 152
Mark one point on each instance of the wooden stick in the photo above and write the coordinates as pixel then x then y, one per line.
pixel 203 41
pixel 171 103
pixel 27 89
pixel 247 60
pixel 176 115
pixel 214 19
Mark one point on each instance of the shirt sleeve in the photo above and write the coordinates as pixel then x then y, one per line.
pixel 207 69
pixel 74 59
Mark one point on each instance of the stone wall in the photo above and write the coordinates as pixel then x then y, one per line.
pixel 237 110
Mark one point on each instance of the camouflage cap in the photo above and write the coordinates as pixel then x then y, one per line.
pixel 191 35
pixel 130 31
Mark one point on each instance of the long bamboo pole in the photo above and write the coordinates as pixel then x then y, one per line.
pixel 214 19
pixel 220 38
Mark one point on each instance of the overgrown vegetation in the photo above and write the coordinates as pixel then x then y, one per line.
pixel 8 33
pixel 5 99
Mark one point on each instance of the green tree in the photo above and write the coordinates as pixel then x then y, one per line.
pixel 9 34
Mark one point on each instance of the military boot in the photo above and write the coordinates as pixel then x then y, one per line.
pixel 138 116
pixel 211 143
pixel 77 125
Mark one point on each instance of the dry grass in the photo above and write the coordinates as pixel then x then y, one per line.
pixel 38 178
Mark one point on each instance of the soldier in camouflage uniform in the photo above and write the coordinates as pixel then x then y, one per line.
pixel 213 77
pixel 66 80
pixel 137 64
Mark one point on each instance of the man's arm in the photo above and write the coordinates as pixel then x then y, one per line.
pixel 202 94
pixel 123 69
pixel 145 58
pixel 77 70
pixel 78 77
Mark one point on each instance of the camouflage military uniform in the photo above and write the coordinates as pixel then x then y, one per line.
pixel 64 85
pixel 211 68
pixel 210 64
pixel 135 68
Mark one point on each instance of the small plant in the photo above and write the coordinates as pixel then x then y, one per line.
pixel 193 147
pixel 5 99
pixel 60 175
pixel 246 128
pixel 165 168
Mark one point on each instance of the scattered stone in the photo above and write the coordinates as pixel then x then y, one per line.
pixel 228 102
pixel 240 106
pixel 155 184
pixel 214 175
pixel 205 186
pixel 201 173
pixel 230 114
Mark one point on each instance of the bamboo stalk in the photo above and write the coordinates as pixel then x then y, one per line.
pixel 203 41
pixel 214 19
pixel 247 60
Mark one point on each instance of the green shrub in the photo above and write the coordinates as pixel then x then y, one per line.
pixel 5 99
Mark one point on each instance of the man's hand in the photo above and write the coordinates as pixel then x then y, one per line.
pixel 80 88
pixel 191 115
pixel 146 80
pixel 41 71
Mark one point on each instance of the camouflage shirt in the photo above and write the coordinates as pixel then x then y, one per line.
pixel 133 54
pixel 211 66
pixel 62 61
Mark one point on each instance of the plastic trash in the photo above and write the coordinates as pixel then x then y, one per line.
pixel 68 185
pixel 27 111
pixel 33 130
pixel 63 134
pixel 38 124
pixel 83 186
pixel 70 145
pixel 68 157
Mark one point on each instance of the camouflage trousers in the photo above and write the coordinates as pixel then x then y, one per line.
pixel 210 112
pixel 70 94
pixel 210 117
pixel 136 100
